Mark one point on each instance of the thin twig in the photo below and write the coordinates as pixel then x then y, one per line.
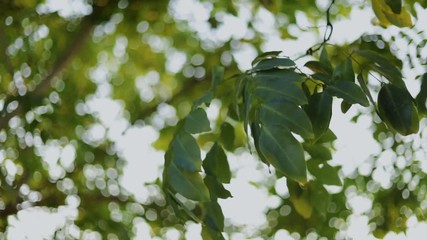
pixel 326 35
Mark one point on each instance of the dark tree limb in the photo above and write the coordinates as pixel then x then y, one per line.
pixel 41 89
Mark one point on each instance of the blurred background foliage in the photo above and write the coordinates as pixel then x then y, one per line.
pixel 147 57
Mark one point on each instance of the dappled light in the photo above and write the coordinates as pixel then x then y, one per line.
pixel 195 119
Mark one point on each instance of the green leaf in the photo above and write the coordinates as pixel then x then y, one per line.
pixel 319 110
pixel 345 106
pixel 185 152
pixel 227 136
pixel 348 91
pixel 278 75
pixel 288 115
pixel 213 218
pixel 395 5
pixel 188 184
pixel 283 151
pixel 216 189
pixel 216 164
pixel 324 172
pixel 272 63
pixel 397 109
pixel 197 121
pixel 325 62
pixel 318 151
pixel 256 131
pixel 344 71
pixel 266 55
pixel 325 78
pixel 210 234
pixel 276 89
pixel 327 137
pixel 381 65
pixel 318 67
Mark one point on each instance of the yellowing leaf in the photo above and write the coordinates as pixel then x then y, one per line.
pixel 387 16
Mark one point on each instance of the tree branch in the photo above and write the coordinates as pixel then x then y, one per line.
pixel 76 45
pixel 66 58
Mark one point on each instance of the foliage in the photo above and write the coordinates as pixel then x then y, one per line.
pixel 142 57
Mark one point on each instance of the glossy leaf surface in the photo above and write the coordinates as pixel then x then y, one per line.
pixel 283 151
pixel 348 91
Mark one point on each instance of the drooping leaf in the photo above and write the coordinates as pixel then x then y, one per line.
pixel 397 109
pixel 185 152
pixel 319 110
pixel 381 65
pixel 275 89
pixel 344 71
pixel 265 55
pixel 287 115
pixel 325 62
pixel 283 151
pixel 278 75
pixel 327 137
pixel 345 106
pixel 348 91
pixel 210 234
pixel 214 219
pixel 272 63
pixel 197 121
pixel 256 131
pixel 188 184
pixel 318 151
pixel 216 189
pixel 318 67
pixel 227 136
pixel 216 164
pixel 324 78
pixel 324 172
